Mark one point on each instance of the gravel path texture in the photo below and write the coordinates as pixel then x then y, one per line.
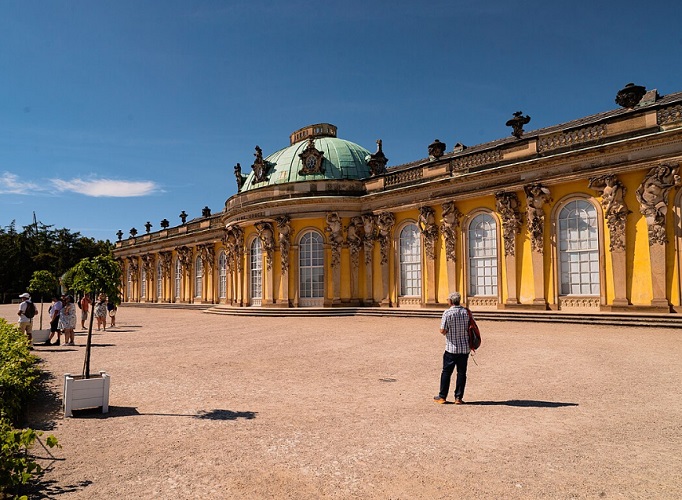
pixel 213 406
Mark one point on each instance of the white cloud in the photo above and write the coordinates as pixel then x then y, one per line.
pixel 13 184
pixel 106 187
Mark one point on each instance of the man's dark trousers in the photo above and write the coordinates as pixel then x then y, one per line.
pixel 450 361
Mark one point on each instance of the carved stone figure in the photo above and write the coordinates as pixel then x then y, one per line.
pixel 616 211
pixel 119 234
pixel 184 257
pixel 377 161
pixel 536 197
pixel 436 149
pixel 508 205
pixel 448 227
pixel 166 260
pixel 312 159
pixel 164 224
pixel 369 230
pixel 233 238
pixel 354 240
pixel 133 232
pixel 429 230
pixel 385 223
pixel 148 264
pixel 259 166
pixel 652 196
pixel 630 95
pixel 284 228
pixel 183 217
pixel 335 230
pixel 206 212
pixel 148 226
pixel 133 266
pixel 207 255
pixel 267 239
pixel 517 124
pixel 238 176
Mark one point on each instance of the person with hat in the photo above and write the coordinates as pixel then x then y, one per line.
pixel 55 311
pixel 26 317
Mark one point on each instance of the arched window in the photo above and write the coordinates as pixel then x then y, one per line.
pixel 198 278
pixel 178 279
pixel 410 261
pixel 578 238
pixel 482 239
pixel 256 273
pixel 311 269
pixel 159 281
pixel 130 284
pixel 222 275
pixel 143 283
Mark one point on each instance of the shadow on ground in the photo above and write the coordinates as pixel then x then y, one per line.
pixel 131 411
pixel 523 403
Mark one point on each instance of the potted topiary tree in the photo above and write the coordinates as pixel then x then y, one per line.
pixel 42 283
pixel 98 275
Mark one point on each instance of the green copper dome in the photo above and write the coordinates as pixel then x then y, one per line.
pixel 326 157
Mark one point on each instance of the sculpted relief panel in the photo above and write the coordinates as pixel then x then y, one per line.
pixel 448 227
pixel 612 192
pixel 537 196
pixel 652 196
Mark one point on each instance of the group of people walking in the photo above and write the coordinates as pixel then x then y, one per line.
pixel 64 316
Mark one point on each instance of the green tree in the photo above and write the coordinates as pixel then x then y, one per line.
pixel 96 275
pixel 43 283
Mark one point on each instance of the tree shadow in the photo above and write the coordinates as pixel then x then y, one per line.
pixel 225 415
pixel 42 489
pixel 522 403
pixel 45 407
pixel 131 411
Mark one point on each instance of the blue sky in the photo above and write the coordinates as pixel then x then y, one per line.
pixel 117 113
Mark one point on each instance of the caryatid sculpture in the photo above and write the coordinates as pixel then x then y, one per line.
pixel 369 235
pixel 429 230
pixel 354 239
pixel 284 228
pixel 385 223
pixel 507 205
pixel 652 196
pixel 537 196
pixel 612 193
pixel 448 227
pixel 335 229
pixel 267 239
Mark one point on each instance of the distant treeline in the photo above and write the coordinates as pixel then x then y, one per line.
pixel 40 247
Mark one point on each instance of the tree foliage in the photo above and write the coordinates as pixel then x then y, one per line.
pixel 41 247
pixel 97 275
pixel 42 284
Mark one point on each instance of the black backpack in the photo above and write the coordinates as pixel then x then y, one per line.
pixel 30 309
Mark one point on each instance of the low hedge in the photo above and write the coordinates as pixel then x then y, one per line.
pixel 18 373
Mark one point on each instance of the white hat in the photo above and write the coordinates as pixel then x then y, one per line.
pixel 24 296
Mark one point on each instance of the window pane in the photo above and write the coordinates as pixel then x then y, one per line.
pixel 482 243
pixel 578 249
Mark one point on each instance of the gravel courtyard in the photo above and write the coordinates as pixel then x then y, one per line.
pixel 208 406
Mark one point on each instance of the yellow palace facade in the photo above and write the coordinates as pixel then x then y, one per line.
pixel 582 216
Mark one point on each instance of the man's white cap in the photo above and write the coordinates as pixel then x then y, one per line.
pixel 24 296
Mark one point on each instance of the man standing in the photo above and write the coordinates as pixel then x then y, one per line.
pixel 26 313
pixel 55 311
pixel 85 307
pixel 455 326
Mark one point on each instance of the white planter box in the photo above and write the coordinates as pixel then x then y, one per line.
pixel 80 393
pixel 40 336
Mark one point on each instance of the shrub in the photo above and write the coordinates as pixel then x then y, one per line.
pixel 18 373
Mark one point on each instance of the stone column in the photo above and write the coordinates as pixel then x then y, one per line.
pixel 652 196
pixel 429 231
pixel 616 212
pixel 536 197
pixel 335 230
pixel 507 205
pixel 369 229
pixel 385 223
pixel 448 228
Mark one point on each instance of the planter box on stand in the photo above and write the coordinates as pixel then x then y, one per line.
pixel 81 393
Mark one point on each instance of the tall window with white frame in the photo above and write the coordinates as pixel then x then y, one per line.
pixel 311 270
pixel 159 281
pixel 222 276
pixel 578 236
pixel 410 261
pixel 256 273
pixel 482 239
pixel 129 288
pixel 143 283
pixel 198 278
pixel 177 289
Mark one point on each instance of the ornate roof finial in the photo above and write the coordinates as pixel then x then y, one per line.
pixel 165 223
pixel 436 149
pixel 148 226
pixel 517 124
pixel 377 161
pixel 119 233
pixel 183 216
pixel 630 95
